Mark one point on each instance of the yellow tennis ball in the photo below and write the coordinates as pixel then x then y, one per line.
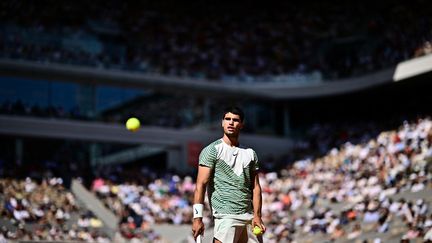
pixel 133 124
pixel 257 230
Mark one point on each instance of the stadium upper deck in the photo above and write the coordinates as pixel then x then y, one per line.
pixel 275 42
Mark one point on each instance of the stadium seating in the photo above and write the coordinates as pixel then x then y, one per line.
pixel 311 41
pixel 380 188
pixel 45 210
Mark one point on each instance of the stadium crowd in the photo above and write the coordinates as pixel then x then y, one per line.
pixel 36 201
pixel 365 176
pixel 218 42
pixel 42 207
pixel 45 210
pixel 361 180
pixel 370 185
pixel 352 190
pixel 18 107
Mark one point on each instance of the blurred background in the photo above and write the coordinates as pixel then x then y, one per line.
pixel 337 97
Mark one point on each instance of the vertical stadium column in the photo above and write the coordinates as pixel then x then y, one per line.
pixel 286 121
pixel 86 99
pixel 94 154
pixel 18 150
pixel 206 110
pixel 252 114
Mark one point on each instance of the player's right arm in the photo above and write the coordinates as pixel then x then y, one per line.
pixel 200 189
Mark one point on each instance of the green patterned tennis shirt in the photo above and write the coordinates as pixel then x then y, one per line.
pixel 231 183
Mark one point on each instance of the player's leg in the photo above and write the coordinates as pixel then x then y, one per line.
pixel 242 235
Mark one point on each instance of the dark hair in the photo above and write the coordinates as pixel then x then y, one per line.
pixel 235 110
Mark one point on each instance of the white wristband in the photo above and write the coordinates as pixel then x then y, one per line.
pixel 198 210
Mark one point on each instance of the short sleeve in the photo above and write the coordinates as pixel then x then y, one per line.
pixel 255 161
pixel 208 156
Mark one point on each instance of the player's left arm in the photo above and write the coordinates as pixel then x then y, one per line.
pixel 257 202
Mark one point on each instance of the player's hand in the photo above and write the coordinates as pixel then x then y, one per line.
pixel 197 227
pixel 256 221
